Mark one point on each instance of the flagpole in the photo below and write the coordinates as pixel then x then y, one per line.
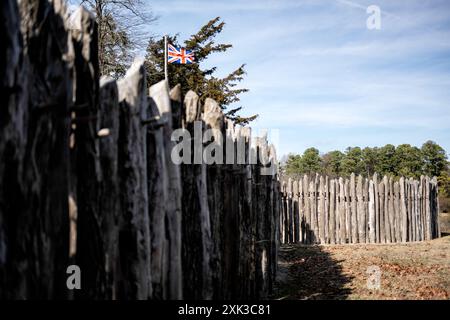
pixel 166 77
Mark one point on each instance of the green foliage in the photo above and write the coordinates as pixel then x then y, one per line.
pixel 408 160
pixel 332 163
pixel 192 76
pixel 294 164
pixel 370 159
pixel 353 161
pixel 308 163
pixel 434 157
pixel 311 161
pixel 386 161
pixel 404 160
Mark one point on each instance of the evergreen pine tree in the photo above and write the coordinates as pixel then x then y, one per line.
pixel 192 76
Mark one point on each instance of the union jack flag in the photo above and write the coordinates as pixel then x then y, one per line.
pixel 179 55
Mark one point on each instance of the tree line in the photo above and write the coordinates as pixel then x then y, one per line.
pixel 403 160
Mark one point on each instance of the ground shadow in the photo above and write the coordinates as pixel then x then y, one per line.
pixel 308 272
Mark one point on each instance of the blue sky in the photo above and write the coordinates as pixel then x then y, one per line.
pixel 319 76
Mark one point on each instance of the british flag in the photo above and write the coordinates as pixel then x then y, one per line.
pixel 179 55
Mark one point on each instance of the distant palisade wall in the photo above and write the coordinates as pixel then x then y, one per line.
pixel 318 209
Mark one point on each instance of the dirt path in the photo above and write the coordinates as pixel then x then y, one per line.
pixel 408 271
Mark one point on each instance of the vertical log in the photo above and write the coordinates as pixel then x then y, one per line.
pixel 413 211
pixel 372 222
pixel 196 228
pixel 301 206
pixel 376 208
pixel 284 212
pixel 387 225
pixel 315 214
pixel 321 210
pixel 422 207
pixel 295 211
pixel 403 208
pixel 13 140
pixel 366 209
pixel 157 181
pixel 327 209
pixel 91 250
pixel 409 207
pixel 159 94
pixel 354 212
pixel 290 212
pixel 348 225
pixel 360 214
pixel 312 207
pixel 36 94
pixel 391 210
pixel 332 220
pixel 342 226
pixel 381 196
pixel 213 119
pixel 427 209
pixel 397 208
pixel 109 206
pixel 134 235
pixel 416 210
pixel 307 209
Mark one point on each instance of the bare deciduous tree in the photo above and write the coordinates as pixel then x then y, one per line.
pixel 122 30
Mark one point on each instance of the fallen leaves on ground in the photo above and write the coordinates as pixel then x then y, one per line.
pixel 408 271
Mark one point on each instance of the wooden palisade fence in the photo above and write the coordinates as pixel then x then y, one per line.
pixel 318 209
pixel 86 177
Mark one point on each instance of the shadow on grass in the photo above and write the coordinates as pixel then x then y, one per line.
pixel 308 272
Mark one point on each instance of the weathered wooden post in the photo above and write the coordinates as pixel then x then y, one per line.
pixel 372 221
pixel 353 207
pixel 327 209
pixel 427 209
pixel 391 210
pixel 134 234
pixel 403 208
pixel 290 211
pixel 109 205
pixel 295 212
pixel 342 226
pixel 387 225
pixel 36 91
pixel 376 208
pixel 366 208
pixel 333 205
pixel 307 209
pixel 397 209
pixel 316 208
pixel 321 210
pixel 214 119
pixel 284 215
pixel 301 206
pixel 196 226
pixel 348 222
pixel 361 211
pixel 381 197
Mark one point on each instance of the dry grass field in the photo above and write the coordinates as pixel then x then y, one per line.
pixel 418 270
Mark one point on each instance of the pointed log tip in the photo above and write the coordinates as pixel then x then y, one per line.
pixel 156 88
pixel 106 81
pixel 175 93
pixel 76 19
